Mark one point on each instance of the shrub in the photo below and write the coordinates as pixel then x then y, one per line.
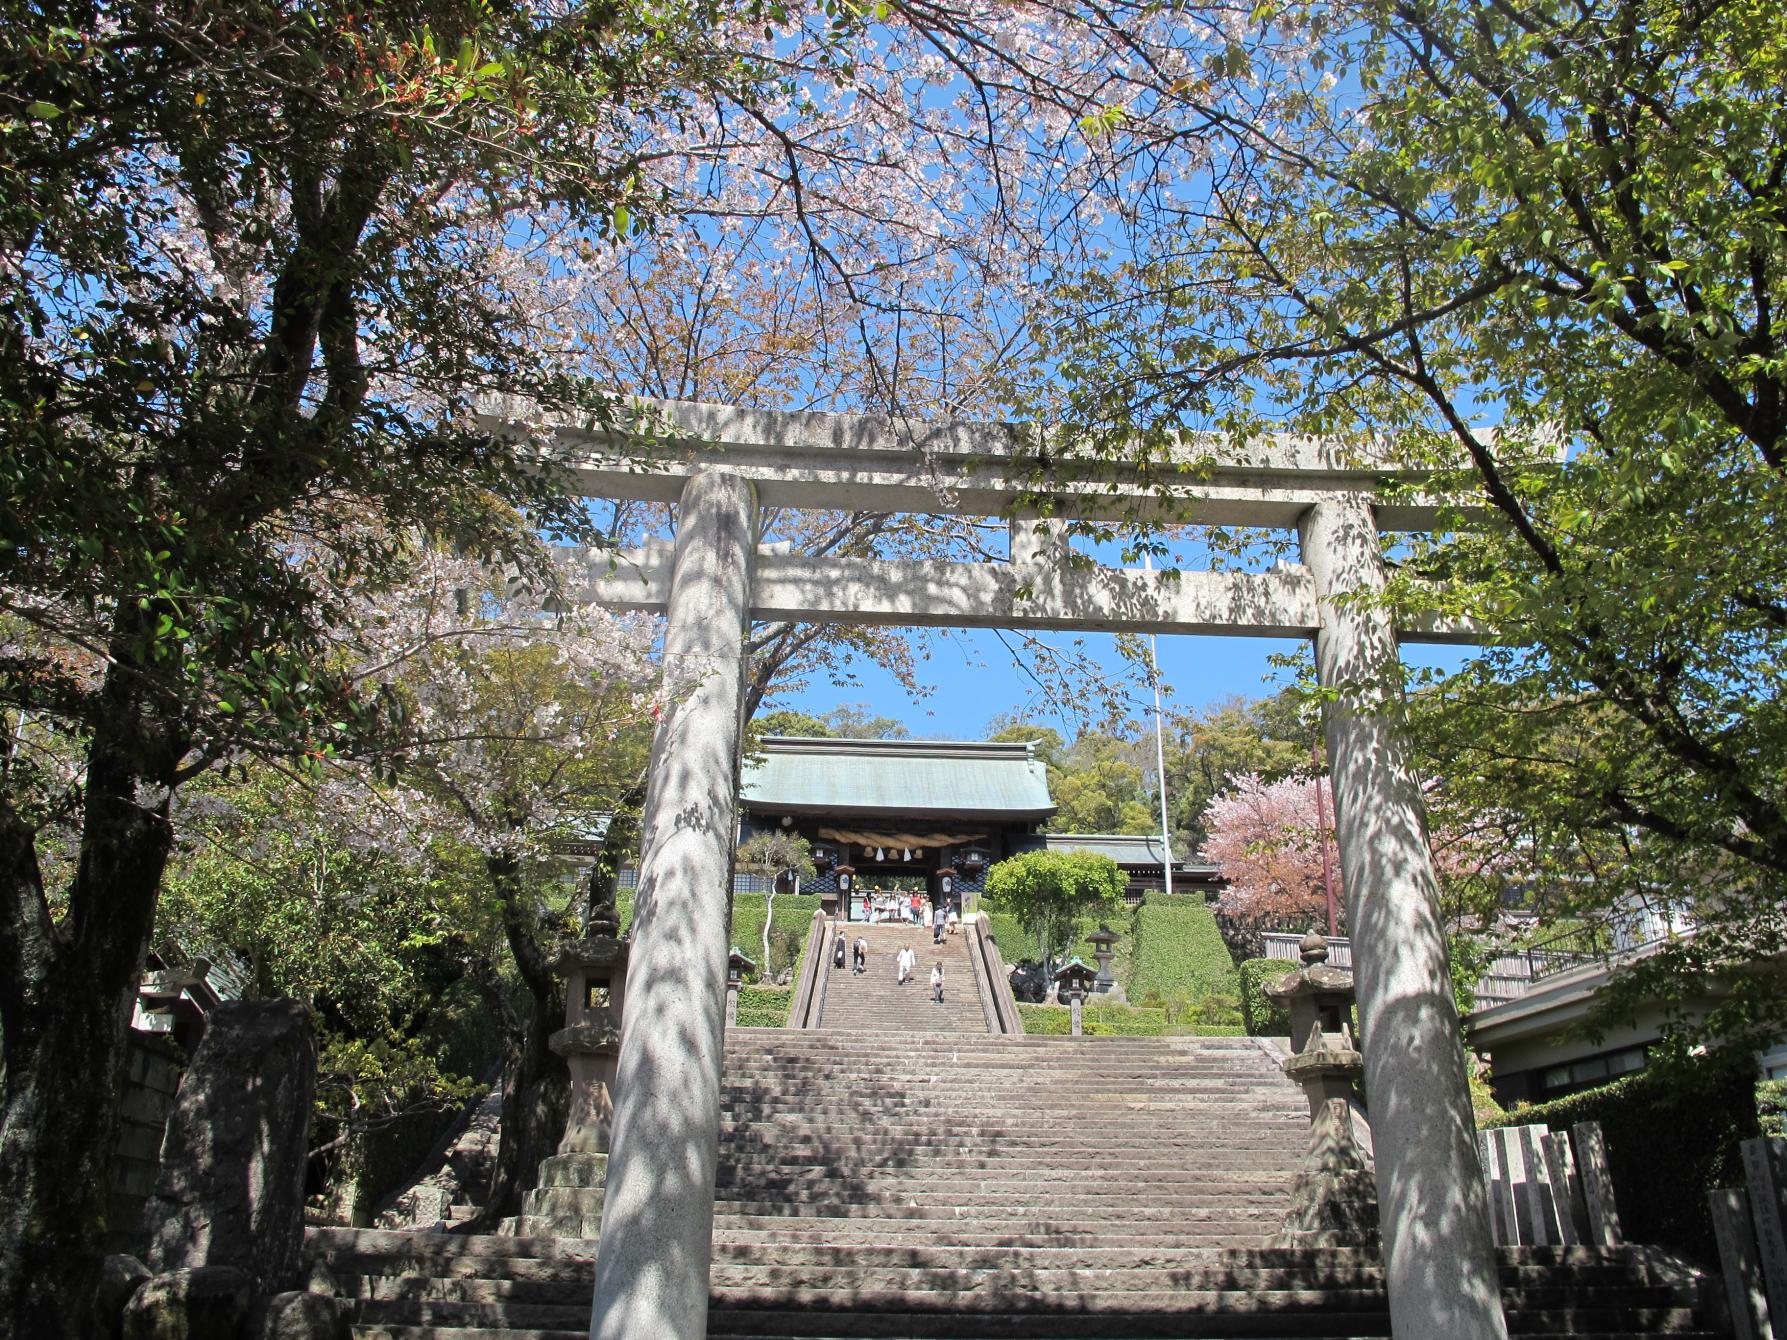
pixel 1222 1009
pixel 787 934
pixel 764 1006
pixel 1771 1106
pixel 1672 1134
pixel 1259 1014
pixel 1175 950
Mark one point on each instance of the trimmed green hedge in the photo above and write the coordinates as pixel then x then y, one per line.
pixel 764 1006
pixel 1176 952
pixel 1170 951
pixel 1115 1021
pixel 1259 1014
pixel 787 937
pixel 1672 1135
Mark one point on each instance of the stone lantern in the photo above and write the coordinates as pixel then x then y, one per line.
pixel 1102 941
pixel 737 965
pixel 567 1203
pixel 830 900
pixel 1073 983
pixel 1334 1196
pixel 1319 1000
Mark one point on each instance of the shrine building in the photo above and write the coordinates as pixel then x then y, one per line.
pixel 890 818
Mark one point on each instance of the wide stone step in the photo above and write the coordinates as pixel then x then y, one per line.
pixel 819 1178
pixel 882 1157
pixel 1208 1108
pixel 1188 1204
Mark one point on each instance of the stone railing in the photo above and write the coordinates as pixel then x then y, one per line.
pixel 989 970
pixel 809 994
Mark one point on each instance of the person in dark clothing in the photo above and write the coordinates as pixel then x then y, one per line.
pixel 837 952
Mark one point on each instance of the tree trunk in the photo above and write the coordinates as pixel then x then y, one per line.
pixel 536 1081
pixel 619 844
pixel 67 987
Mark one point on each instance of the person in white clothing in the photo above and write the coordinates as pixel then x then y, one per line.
pixel 937 983
pixel 907 961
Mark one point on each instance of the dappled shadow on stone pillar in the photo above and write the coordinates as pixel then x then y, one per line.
pixel 1439 1263
pixel 657 1224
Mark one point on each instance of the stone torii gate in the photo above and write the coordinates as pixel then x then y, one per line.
pixel 723 465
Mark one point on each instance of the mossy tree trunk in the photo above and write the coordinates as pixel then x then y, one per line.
pixel 67 986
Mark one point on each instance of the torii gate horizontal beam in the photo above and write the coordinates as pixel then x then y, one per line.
pixel 937 594
pixel 856 462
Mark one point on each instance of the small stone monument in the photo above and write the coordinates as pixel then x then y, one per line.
pixel 738 963
pixel 1073 982
pixel 230 1192
pixel 1105 984
pixel 1334 1198
pixel 568 1201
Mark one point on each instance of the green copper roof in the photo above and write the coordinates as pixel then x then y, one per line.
pixel 944 779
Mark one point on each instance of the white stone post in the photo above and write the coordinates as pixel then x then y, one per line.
pixel 1439 1260
pixel 657 1225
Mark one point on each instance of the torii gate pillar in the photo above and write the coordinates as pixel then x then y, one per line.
pixel 657 1224
pixel 1439 1261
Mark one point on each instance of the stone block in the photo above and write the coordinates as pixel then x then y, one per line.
pixel 1767 1187
pixel 1744 1287
pixel 149 1107
pixel 299 1316
pixel 231 1187
pixel 547 1201
pixel 1566 1188
pixel 134 1178
pixel 119 1279
pixel 582 1170
pixel 1597 1184
pixel 421 1206
pixel 204 1303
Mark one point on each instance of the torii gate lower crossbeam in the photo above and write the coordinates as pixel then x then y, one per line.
pixel 653 1260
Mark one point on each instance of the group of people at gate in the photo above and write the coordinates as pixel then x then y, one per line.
pixel 881 905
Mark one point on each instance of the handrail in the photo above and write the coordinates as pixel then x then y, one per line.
pixel 989 970
pixel 809 998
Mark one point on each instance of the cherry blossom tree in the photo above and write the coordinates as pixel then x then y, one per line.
pixel 265 260
pixel 1267 838
pixel 522 730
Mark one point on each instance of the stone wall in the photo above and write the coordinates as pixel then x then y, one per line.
pixel 152 1069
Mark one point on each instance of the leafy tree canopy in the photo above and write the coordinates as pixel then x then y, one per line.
pixel 1054 894
pixel 1564 221
pixel 786 721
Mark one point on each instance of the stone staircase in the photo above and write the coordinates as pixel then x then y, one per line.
pixel 968 1187
pixel 872 1001
pixel 452 1191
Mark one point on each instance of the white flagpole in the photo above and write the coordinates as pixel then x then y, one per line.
pixel 1160 759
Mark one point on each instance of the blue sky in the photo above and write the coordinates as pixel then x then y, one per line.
pixel 977 680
